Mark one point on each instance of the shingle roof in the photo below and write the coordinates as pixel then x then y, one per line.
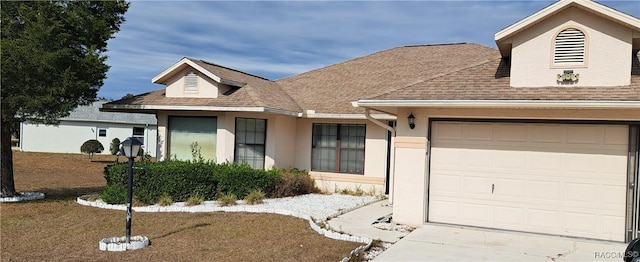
pixel 429 72
pixel 256 92
pixel 332 89
pixel 490 81
pixel 92 113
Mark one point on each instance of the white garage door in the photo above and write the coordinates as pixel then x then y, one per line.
pixel 563 179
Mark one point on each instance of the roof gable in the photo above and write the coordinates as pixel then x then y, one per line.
pixel 502 38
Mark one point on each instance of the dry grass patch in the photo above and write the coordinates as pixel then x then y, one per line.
pixel 57 228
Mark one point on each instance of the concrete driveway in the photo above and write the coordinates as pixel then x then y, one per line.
pixel 434 242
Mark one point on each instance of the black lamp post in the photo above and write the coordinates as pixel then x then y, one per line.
pixel 131 146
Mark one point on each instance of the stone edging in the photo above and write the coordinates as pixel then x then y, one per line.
pixel 23 196
pixel 201 208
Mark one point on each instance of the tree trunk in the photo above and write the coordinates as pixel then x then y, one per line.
pixel 6 160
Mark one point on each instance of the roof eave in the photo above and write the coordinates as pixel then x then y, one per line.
pixel 593 104
pixel 154 108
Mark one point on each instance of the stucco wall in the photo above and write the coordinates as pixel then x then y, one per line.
pixel 375 157
pixel 608 52
pixel 280 140
pixel 411 178
pixel 207 88
pixel 69 136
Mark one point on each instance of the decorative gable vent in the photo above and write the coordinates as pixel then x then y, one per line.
pixel 569 47
pixel 191 82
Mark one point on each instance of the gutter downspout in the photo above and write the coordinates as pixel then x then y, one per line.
pixel 367 113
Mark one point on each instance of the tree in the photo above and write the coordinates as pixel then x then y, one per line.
pixel 91 147
pixel 52 61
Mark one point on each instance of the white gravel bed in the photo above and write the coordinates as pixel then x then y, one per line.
pixel 318 206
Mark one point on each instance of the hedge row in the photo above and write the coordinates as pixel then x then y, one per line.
pixel 180 180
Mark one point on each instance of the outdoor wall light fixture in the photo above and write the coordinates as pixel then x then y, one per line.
pixel 130 146
pixel 412 121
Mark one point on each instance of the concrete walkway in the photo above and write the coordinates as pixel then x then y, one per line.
pixel 454 243
pixel 359 222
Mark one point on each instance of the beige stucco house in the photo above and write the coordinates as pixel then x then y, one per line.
pixel 540 135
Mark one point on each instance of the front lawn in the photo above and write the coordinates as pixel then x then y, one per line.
pixel 57 228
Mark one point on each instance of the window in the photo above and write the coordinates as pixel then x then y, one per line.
pixel 138 131
pixel 251 134
pixel 102 132
pixel 191 82
pixel 185 132
pixel 569 47
pixel 338 148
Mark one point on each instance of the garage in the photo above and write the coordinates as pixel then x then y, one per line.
pixel 552 178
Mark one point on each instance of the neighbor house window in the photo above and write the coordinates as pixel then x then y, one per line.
pixel 102 132
pixel 191 137
pixel 569 47
pixel 191 82
pixel 338 148
pixel 138 131
pixel 251 135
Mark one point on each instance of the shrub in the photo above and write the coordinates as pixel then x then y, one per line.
pixel 254 197
pixel 176 178
pixel 227 199
pixel 240 179
pixel 292 182
pixel 165 200
pixel 114 148
pixel 194 200
pixel 114 194
pixel 91 147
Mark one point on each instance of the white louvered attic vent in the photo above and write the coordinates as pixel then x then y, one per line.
pixel 191 82
pixel 569 47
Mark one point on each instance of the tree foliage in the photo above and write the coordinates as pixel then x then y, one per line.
pixel 91 147
pixel 114 148
pixel 52 61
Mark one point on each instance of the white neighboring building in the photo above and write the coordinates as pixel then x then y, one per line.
pixel 87 122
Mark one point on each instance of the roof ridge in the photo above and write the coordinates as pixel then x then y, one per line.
pixel 441 44
pixel 229 68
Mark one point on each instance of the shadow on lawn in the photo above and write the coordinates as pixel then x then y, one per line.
pixel 182 229
pixel 57 194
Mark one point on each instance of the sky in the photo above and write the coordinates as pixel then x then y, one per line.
pixel 277 39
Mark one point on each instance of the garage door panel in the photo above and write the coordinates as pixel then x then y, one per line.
pixel 544 190
pixel 543 219
pixel 546 134
pixel 508 188
pixel 616 135
pixel 549 178
pixel 511 217
pixel 585 134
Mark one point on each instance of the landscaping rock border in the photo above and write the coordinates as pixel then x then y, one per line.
pixel 212 206
pixel 118 243
pixel 23 196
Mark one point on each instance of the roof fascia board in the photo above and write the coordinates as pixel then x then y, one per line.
pixel 348 116
pixel 118 108
pixel 105 121
pixel 615 15
pixel 502 104
pixel 159 79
